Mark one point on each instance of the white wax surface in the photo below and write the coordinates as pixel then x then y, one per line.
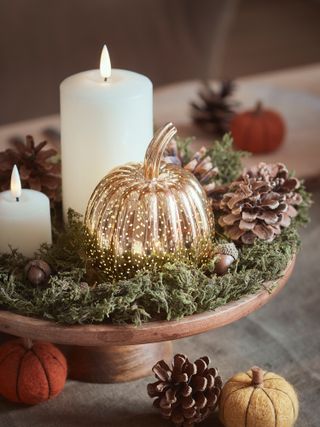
pixel 103 125
pixel 26 224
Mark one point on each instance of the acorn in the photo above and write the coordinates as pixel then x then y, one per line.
pixel 37 272
pixel 227 254
pixel 84 287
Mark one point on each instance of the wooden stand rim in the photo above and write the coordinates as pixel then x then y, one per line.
pixel 104 334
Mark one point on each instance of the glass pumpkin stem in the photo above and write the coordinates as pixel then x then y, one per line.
pixel 152 159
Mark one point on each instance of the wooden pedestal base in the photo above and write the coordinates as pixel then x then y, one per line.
pixel 114 363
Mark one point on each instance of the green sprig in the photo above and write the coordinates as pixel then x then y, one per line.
pixel 223 155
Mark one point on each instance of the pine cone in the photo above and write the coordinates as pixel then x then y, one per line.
pixel 187 392
pixel 216 195
pixel 36 167
pixel 200 165
pixel 259 203
pixel 214 111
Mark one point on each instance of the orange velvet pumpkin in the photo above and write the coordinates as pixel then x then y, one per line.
pixel 31 373
pixel 259 130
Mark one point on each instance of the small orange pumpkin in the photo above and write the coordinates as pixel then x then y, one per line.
pixel 259 130
pixel 30 372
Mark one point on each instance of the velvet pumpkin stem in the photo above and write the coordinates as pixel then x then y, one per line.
pixel 258 108
pixel 27 342
pixel 257 376
pixel 156 149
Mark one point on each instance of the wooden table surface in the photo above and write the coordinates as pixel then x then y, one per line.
pixel 305 78
pixel 283 336
pixel 294 94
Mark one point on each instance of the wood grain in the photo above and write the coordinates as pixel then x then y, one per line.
pixel 103 334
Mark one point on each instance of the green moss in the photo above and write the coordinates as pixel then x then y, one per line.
pixel 177 290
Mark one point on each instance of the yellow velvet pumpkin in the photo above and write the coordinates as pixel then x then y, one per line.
pixel 258 399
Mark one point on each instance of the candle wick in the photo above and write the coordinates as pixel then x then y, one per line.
pixel 105 79
pixel 17 199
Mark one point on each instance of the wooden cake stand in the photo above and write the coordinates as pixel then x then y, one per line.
pixel 110 353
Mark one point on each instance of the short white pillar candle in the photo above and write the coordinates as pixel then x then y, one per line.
pixel 24 218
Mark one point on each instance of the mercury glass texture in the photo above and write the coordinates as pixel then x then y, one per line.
pixel 141 215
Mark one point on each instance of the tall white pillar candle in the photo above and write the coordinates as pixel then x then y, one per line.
pixel 24 218
pixel 106 120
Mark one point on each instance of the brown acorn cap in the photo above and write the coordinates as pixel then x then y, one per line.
pixel 227 249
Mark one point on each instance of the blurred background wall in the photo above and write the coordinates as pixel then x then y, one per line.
pixel 44 41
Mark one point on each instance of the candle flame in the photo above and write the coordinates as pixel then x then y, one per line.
pixel 105 64
pixel 15 183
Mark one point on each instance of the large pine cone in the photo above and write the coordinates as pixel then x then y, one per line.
pixel 259 203
pixel 187 392
pixel 37 169
pixel 214 110
pixel 200 165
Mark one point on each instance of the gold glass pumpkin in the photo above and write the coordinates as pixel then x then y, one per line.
pixel 142 215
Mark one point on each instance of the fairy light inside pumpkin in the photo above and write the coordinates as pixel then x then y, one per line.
pixel 141 215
